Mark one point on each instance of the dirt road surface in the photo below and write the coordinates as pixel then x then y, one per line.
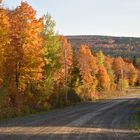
pixel 104 120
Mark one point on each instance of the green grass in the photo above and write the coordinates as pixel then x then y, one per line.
pixel 136 120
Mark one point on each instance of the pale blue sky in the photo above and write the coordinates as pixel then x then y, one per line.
pixel 90 17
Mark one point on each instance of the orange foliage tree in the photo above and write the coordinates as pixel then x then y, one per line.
pixel 66 62
pixel 4 39
pixel 131 73
pixel 103 79
pixel 24 54
pixel 88 69
pixel 118 68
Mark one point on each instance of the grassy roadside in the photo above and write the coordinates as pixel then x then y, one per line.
pixel 101 97
pixel 136 116
pixel 136 120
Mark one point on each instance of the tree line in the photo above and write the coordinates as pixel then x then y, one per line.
pixel 38 67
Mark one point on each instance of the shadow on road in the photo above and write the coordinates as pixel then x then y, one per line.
pixel 105 119
pixel 72 135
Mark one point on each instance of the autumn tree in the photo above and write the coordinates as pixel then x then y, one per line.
pixel 138 77
pixel 4 38
pixel 62 74
pixel 51 53
pixel 108 65
pixel 100 58
pixel 136 62
pixel 25 51
pixel 132 74
pixel 123 84
pixel 103 79
pixel 66 61
pixel 23 57
pixel 118 67
pixel 88 70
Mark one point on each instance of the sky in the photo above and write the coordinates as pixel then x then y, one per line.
pixel 89 17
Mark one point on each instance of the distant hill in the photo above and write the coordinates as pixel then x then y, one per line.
pixel 113 46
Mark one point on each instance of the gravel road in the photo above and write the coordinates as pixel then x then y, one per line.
pixel 104 120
